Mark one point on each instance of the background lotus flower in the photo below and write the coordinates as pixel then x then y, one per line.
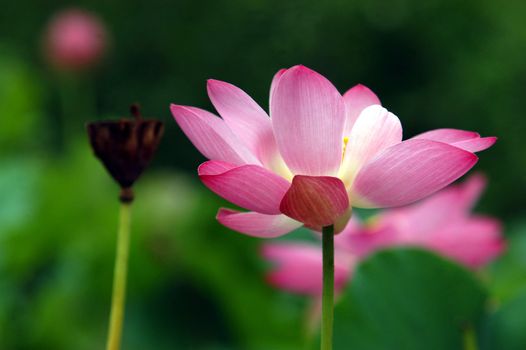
pixel 75 40
pixel 297 267
pixel 317 155
pixel 442 223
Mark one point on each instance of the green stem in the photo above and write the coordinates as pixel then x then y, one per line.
pixel 470 339
pixel 328 287
pixel 119 279
pixel 312 322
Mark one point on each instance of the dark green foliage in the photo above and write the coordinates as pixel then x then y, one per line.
pixel 408 299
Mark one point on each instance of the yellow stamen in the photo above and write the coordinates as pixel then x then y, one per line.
pixel 345 141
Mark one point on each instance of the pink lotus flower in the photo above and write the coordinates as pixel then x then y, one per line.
pixel 317 155
pixel 442 223
pixel 75 40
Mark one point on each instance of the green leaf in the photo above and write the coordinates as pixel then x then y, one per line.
pixel 507 275
pixel 504 329
pixel 407 299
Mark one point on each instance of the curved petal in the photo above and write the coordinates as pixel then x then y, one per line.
pixel 307 117
pixel 298 267
pixel 473 242
pixel 249 186
pixel 447 135
pixel 244 117
pixel 211 136
pixel 477 144
pixel 409 171
pixel 375 130
pixel 315 201
pixel 274 83
pixel 370 239
pixel 353 227
pixel 450 204
pixel 257 224
pixel 356 99
pixel 426 215
pixel 471 190
pixel 467 140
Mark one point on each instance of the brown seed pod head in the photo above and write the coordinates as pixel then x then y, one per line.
pixel 125 147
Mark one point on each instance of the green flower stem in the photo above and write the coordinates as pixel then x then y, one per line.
pixel 470 339
pixel 119 279
pixel 328 287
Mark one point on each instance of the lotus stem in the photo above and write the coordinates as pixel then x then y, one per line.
pixel 327 317
pixel 119 278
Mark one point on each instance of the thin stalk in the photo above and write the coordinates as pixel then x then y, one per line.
pixel 328 287
pixel 470 338
pixel 119 279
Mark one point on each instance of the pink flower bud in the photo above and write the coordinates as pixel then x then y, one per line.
pixel 75 40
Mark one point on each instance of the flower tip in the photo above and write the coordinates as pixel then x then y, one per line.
pixel 477 179
pixel 222 213
pixel 214 86
pixel 175 109
pixel 210 83
pixel 359 88
pixel 492 140
pixel 300 68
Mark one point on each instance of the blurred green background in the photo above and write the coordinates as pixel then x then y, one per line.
pixel 192 283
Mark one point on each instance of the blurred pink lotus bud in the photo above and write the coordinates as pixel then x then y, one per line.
pixel 75 40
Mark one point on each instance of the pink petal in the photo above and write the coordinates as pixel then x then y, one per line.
pixel 476 145
pixel 215 167
pixel 471 190
pixel 473 242
pixel 274 83
pixel 211 136
pixel 447 135
pixel 308 117
pixel 315 201
pixel 256 224
pixel 409 171
pixel 249 186
pixel 426 215
pixel 298 267
pixel 244 117
pixel 436 211
pixel 467 140
pixel 353 227
pixel 367 240
pixel 375 130
pixel 356 99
